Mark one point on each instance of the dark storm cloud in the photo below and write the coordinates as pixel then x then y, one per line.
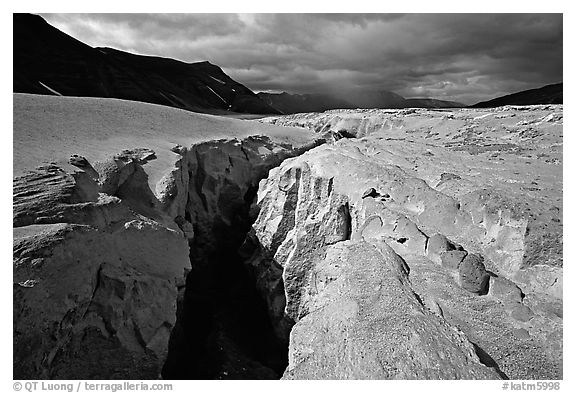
pixel 146 33
pixel 462 57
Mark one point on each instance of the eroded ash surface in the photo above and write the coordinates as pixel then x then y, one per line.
pixel 360 244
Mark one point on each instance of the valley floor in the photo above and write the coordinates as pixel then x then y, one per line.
pixel 349 244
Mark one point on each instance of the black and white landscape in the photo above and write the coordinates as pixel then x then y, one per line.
pixel 269 196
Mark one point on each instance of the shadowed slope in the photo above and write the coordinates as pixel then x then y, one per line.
pixel 348 99
pixel 549 94
pixel 48 61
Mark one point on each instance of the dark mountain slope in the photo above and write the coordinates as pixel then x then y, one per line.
pixel 48 61
pixel 299 103
pixel 549 94
pixel 431 103
pixel 364 99
pixel 350 99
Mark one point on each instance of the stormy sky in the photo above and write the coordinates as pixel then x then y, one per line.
pixel 460 57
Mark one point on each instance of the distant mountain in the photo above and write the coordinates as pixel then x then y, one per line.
pixel 48 61
pixel 549 94
pixel 362 98
pixel 300 103
pixel 431 103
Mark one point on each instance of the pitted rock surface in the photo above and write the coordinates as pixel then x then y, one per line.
pixel 470 200
pixel 473 275
pixel 369 253
pixel 105 213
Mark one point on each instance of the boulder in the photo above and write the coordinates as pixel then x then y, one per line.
pixel 520 312
pixel 453 258
pixel 437 244
pixel 505 290
pixel 473 275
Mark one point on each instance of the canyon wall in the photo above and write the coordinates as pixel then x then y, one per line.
pixel 407 244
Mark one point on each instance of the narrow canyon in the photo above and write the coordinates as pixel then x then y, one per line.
pixel 348 244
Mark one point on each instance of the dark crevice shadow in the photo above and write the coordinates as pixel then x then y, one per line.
pixel 223 328
pixel 488 361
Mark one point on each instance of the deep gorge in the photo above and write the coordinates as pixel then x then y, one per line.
pixel 223 328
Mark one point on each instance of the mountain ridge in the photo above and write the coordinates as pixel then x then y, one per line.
pixel 288 103
pixel 549 94
pixel 50 62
